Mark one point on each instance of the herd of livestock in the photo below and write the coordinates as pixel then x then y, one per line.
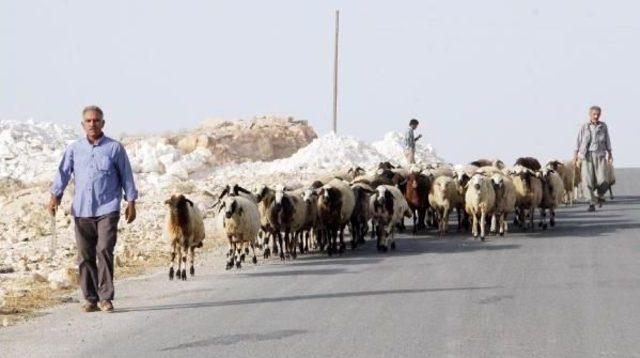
pixel 285 221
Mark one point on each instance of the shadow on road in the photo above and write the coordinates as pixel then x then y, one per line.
pixel 237 338
pixel 296 273
pixel 263 300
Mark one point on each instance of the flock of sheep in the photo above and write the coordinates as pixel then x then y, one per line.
pixel 286 221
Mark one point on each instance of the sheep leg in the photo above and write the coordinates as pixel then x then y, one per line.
pixel 332 236
pixel 610 192
pixel 192 257
pixel 253 251
pixel 355 231
pixel 474 225
pixel 543 219
pixel 185 253
pixel 482 223
pixel 494 224
pixel 281 243
pixel 266 249
pixel 173 258
pixel 301 242
pixel 241 253
pixel 385 237
pixel 415 221
pixel 445 221
pixel 364 226
pixel 392 245
pixel 179 257
pixel 275 245
pixel 238 250
pixel 342 246
pixel 231 251
pixel 294 244
pixel 531 213
pixel 552 220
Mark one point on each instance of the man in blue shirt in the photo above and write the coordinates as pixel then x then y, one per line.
pixel 102 172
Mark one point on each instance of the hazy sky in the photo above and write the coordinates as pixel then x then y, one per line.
pixel 486 78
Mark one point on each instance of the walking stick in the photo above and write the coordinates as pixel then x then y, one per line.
pixel 53 242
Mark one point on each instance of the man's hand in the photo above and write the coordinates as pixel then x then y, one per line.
pixel 130 212
pixel 610 157
pixel 419 136
pixel 54 202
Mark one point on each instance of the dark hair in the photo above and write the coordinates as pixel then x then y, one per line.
pixel 413 122
pixel 94 109
pixel 595 108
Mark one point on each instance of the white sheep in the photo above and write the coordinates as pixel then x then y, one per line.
pixel 567 174
pixel 444 197
pixel 185 230
pixel 505 193
pixel 479 202
pixel 311 229
pixel 552 195
pixel 241 223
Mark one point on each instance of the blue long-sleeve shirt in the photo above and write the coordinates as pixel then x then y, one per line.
pixel 101 171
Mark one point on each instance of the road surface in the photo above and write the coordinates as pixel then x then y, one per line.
pixel 572 291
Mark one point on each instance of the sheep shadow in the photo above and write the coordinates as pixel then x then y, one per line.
pixel 277 273
pixel 296 298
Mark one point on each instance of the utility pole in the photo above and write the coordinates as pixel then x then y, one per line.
pixel 335 76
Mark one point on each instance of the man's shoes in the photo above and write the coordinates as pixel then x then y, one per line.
pixel 90 306
pixel 592 208
pixel 106 306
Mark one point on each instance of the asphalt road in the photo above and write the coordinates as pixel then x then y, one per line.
pixel 572 291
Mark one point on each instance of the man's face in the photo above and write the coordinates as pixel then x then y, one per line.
pixel 92 123
pixel 414 126
pixel 594 115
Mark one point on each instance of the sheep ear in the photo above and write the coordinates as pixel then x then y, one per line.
pixel 167 202
pixel 189 201
pixel 243 190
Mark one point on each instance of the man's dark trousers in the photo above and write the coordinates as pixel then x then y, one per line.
pixel 96 239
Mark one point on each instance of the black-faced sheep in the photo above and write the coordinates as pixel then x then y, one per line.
pixel 528 194
pixel 291 218
pixel 185 231
pixel 335 206
pixel 389 209
pixel 361 213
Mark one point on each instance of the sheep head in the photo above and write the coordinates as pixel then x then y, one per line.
pixel 231 208
pixel 498 181
pixel 308 195
pixel 178 206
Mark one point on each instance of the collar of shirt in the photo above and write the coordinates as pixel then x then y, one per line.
pixel 100 140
